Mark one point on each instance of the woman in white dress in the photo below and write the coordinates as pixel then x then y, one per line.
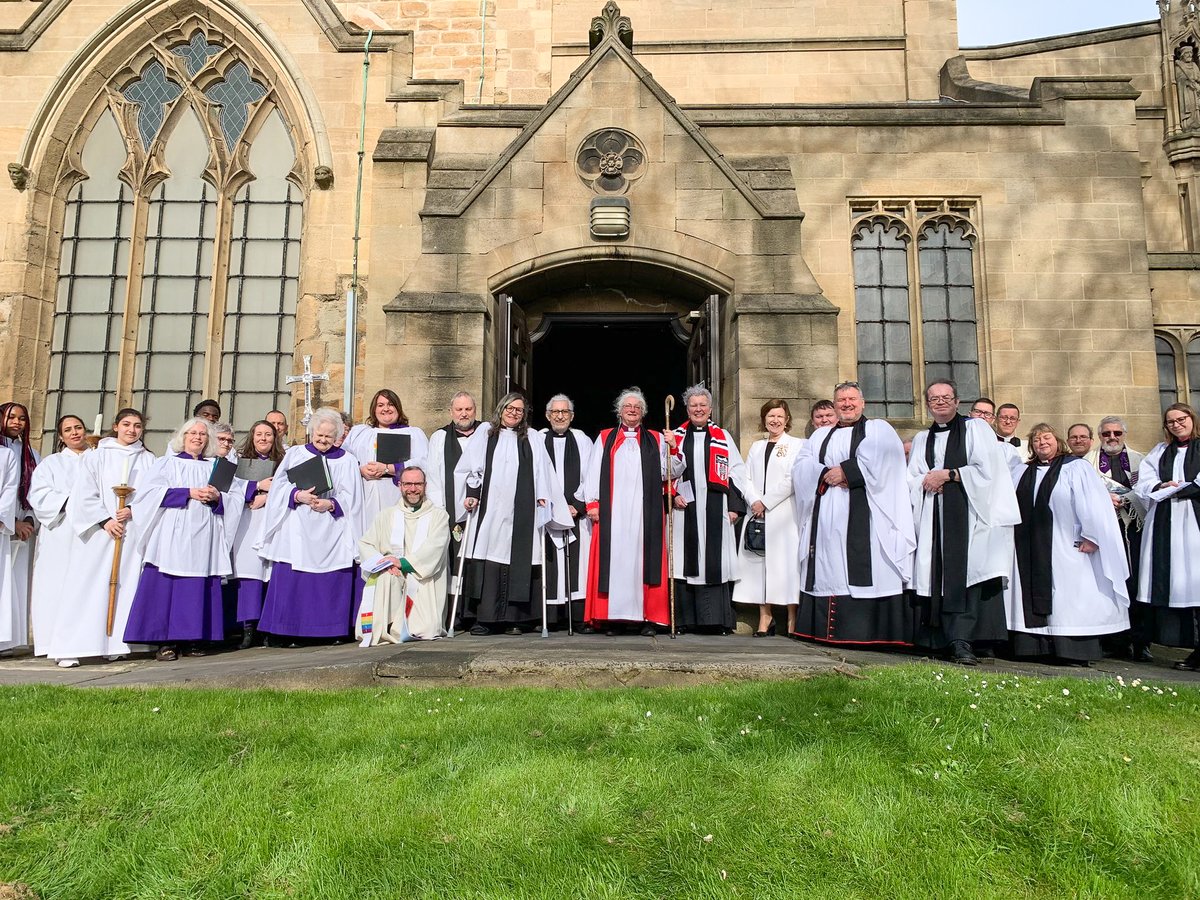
pixel 14 423
pixel 80 627
pixel 185 543
pixel 52 483
pixel 1067 587
pixel 773 577
pixel 381 480
pixel 261 449
pixel 1169 574
pixel 311 540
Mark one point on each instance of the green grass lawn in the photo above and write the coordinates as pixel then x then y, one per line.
pixel 916 781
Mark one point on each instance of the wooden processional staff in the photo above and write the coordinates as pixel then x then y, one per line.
pixel 669 404
pixel 122 491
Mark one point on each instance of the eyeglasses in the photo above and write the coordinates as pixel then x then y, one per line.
pixel 1112 434
pixel 943 399
pixel 844 384
pixel 554 412
pixel 412 484
pixel 1178 421
pixel 512 407
pixel 982 414
pixel 1009 418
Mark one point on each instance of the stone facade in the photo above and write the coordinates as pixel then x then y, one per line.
pixel 771 130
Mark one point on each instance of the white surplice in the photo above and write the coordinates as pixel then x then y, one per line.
pixel 435 467
pixel 491 537
pixel 881 460
pixel 21 562
pixel 312 541
pixel 991 504
pixel 79 628
pixel 380 493
pixel 194 541
pixel 774 577
pixel 1185 532
pixel 1089 596
pixel 582 547
pixel 10 478
pixel 626 589
pixel 422 538
pixel 739 477
pixel 55 553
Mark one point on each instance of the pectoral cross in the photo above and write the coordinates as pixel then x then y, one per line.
pixel 307 380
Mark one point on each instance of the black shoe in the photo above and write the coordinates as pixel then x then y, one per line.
pixel 248 635
pixel 1191 664
pixel 648 631
pixel 961 653
pixel 770 632
pixel 613 631
pixel 480 630
pixel 587 629
pixel 1141 653
pixel 514 631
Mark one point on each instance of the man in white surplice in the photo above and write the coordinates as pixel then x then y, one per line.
pixel 570 452
pixel 406 600
pixel 964 508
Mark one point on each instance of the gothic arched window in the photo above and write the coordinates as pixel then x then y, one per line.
pixel 179 263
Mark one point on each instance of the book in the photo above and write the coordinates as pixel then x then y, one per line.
pixel 255 469
pixel 312 475
pixel 392 449
pixel 222 474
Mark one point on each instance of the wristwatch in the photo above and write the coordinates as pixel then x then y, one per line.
pixel 953 474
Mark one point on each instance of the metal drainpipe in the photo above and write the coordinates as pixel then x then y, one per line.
pixel 352 293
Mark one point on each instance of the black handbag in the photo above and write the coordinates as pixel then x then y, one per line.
pixel 756 535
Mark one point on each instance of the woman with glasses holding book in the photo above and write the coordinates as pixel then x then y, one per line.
pixel 190 518
pixel 314 516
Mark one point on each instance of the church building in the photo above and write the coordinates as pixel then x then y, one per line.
pixel 769 196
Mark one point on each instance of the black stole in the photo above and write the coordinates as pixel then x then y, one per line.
pixel 520 558
pixel 714 512
pixel 451 454
pixel 1160 548
pixel 571 476
pixel 951 524
pixel 858 526
pixel 1035 541
pixel 652 509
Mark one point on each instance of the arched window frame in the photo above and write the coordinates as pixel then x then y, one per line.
pixel 227 170
pixel 914 217
pixel 1184 344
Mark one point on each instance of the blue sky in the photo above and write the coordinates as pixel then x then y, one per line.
pixel 982 22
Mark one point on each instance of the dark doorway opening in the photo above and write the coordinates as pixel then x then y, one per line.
pixel 592 358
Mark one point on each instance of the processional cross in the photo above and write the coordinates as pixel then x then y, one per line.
pixel 307 380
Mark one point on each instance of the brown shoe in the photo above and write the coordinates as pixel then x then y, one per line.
pixel 166 653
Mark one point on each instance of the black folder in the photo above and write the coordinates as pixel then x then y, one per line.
pixel 311 475
pixel 222 475
pixel 255 469
pixel 392 449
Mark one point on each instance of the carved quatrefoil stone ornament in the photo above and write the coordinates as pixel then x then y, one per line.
pixel 610 160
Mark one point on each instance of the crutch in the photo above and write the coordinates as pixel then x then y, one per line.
pixel 567 580
pixel 462 558
pixel 669 403
pixel 545 630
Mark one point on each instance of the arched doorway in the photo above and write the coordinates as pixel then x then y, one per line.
pixel 590 329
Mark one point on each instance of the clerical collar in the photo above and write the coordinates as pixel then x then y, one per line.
pixel 262 456
pixel 468 431
pixel 939 427
pixel 692 426
pixel 842 424
pixel 557 435
pixel 185 455
pixel 1015 441
pixel 413 508
pixel 391 427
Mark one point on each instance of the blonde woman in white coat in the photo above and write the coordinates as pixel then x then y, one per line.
pixel 773 578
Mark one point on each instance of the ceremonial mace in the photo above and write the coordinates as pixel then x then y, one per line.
pixel 462 558
pixel 122 491
pixel 669 403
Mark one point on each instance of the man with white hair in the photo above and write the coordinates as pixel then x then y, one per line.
pixel 709 498
pixel 570 452
pixel 1118 467
pixel 627 572
pixel 446 447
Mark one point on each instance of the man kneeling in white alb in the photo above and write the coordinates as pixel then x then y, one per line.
pixel 403 558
